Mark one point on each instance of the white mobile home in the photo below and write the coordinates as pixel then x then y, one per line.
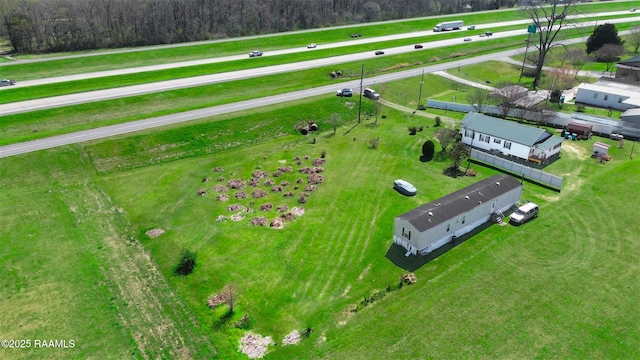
pixel 510 138
pixel 609 94
pixel 432 225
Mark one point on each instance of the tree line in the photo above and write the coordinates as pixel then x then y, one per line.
pixel 67 25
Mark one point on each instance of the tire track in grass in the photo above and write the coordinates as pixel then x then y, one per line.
pixel 347 247
pixel 358 223
pixel 159 323
pixel 334 240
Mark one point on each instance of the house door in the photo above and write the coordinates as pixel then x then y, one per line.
pixel 493 206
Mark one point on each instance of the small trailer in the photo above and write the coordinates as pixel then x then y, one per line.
pixel 449 25
pixel 583 130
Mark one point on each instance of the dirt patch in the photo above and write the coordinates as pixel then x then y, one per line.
pixel 574 151
pixel 255 346
pixel 154 233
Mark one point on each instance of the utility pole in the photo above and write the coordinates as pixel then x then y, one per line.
pixel 420 94
pixel 531 29
pixel 360 105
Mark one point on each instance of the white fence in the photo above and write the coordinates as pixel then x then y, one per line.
pixel 519 170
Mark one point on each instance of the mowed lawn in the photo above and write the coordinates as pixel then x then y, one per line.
pixel 562 286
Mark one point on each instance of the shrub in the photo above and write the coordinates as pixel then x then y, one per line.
pixel 580 108
pixel 260 174
pixel 186 263
pixel 318 162
pixel 201 192
pixel 220 188
pixel 266 207
pixel 438 121
pixel 413 130
pixel 259 221
pixel 243 323
pixel 236 184
pixel 258 193
pixel 285 169
pixel 241 195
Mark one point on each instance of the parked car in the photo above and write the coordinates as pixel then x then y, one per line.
pixel 524 213
pixel 345 92
pixel 472 27
pixel 481 35
pixel 633 10
pixel 371 94
pixel 488 33
pixel 311 46
pixel 379 52
pixel 7 82
pixel 467 39
pixel 404 187
pixel 255 53
pixel 417 46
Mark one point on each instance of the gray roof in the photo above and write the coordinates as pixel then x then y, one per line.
pixel 633 60
pixel 459 202
pixel 503 129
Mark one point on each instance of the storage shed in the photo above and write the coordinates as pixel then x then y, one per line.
pixel 430 226
pixel 583 130
pixel 600 149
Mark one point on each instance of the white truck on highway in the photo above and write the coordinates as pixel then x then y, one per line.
pixel 449 25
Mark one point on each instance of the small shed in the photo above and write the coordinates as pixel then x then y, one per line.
pixel 600 149
pixel 582 129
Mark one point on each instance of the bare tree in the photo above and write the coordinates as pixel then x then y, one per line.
pixel 561 78
pixel 578 58
pixel 549 20
pixel 335 120
pixel 478 98
pixel 542 113
pixel 634 38
pixel 609 54
pixel 229 293
pixel 507 97
pixel 445 137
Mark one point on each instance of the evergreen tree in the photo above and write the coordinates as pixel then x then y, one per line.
pixel 603 34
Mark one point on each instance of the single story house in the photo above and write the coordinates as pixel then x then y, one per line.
pixel 510 138
pixel 430 226
pixel 609 94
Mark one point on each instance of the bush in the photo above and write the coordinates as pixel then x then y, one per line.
pixel 413 130
pixel 186 263
pixel 580 108
pixel 438 121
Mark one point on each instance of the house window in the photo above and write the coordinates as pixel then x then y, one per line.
pixel 468 133
pixel 407 235
pixel 497 141
pixel 485 138
pixel 595 95
pixel 448 227
pixel 507 145
pixel 606 97
pixel 619 100
pixel 464 218
pixel 557 146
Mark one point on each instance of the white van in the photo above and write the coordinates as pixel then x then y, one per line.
pixel 524 213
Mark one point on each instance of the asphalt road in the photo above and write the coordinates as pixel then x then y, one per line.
pixel 87 135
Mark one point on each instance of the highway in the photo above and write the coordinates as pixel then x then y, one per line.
pixel 87 135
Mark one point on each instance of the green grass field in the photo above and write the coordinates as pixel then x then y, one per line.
pixel 561 286
pixel 79 265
